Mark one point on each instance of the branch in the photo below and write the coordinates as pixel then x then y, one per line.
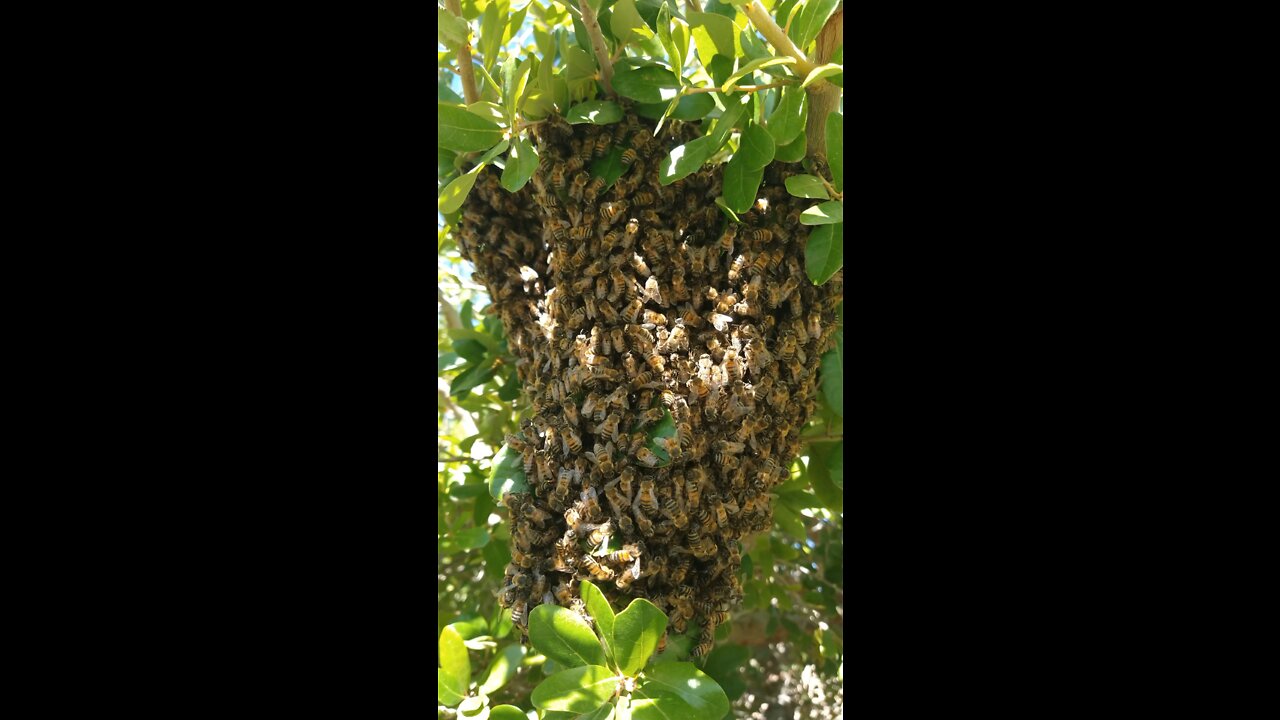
pixel 823 96
pixel 822 438
pixel 452 320
pixel 777 37
pixel 464 59
pixel 597 44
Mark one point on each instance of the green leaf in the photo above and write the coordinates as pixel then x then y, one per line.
pixel 827 213
pixel 579 689
pixel 791 524
pixel 646 83
pixel 514 80
pixel 741 184
pixel 735 108
pixel 469 349
pixel 835 148
pixel 522 161
pixel 666 428
pixel 824 254
pixel 487 110
pixel 810 21
pixel 728 211
pixel 454 660
pixel 720 68
pixel 690 107
pixel 836 466
pixel 494 152
pixel 471 377
pixel 757 147
pixel 833 376
pixel 793 151
pixel 819 473
pixel 712 34
pixel 506 712
pixel 596 112
pixel 753 66
pixel 579 64
pixel 451 30
pixel 465 131
pixel 446 94
pixel 820 72
pixel 724 665
pixel 788 119
pixel 487 340
pixel 507 475
pixel 604 712
pixel 503 668
pixel 491 29
pixel 447 691
pixel 637 630
pixel 806 186
pixel 453 195
pixel 600 611
pixel 609 166
pixel 627 25
pixel 562 635
pixel 678 690
pixel 685 159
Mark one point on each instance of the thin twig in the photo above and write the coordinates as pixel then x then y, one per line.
pixel 464 59
pixel 597 44
pixel 741 88
pixel 452 320
pixel 822 438
pixel 451 458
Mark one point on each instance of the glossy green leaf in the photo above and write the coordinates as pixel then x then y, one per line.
pixel 490 111
pixel 824 254
pixel 685 160
pixel 728 211
pixel 827 213
pixel 473 708
pixel 627 25
pixel 751 47
pixel 471 377
pixel 788 118
pixel 819 474
pixel 835 148
pixel 600 611
pixel 454 659
pixel 578 689
pixel 646 83
pixel 757 147
pixel 464 131
pixel 806 186
pixel 820 72
pixel 735 109
pixel 447 689
pixel 446 94
pixel 494 152
pixel 596 112
pixel 793 151
pixel 724 665
pixel 491 30
pixel 637 631
pixel 522 161
pixel 471 538
pixel 507 712
pixel 604 712
pixel 690 107
pixel 579 63
pixel 720 68
pixel 810 20
pixel 515 79
pixel 790 523
pixel 455 193
pixel 741 184
pixel 833 375
pixel 507 474
pixel 609 166
pixel 712 34
pixel 678 690
pixel 451 30
pixel 503 668
pixel 753 66
pixel 562 635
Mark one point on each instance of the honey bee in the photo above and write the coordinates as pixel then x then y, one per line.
pixel 592 192
pixel 648 499
pixel 628 553
pixel 641 140
pixel 611 211
pixel 643 521
pixel 720 322
pixel 628 576
pixel 643 198
pixel 598 571
pixel 604 459
pixel 670 444
pixel 580 233
pixel 601 533
pixel 602 144
pixel 655 362
pixel 698 387
pixel 536 515
pixel 564 593
pixel 654 318
pixel 673 510
pixel 698 260
pixel 681 571
pixel 628 156
pixel 787 348
pixel 642 339
pixel 653 291
pixel 726 239
pixel 625 524
pixel 573 518
pixel 778 397
pixel 557 177
pixel 650 416
pixel 570 410
pixel 735 270
pixel 632 312
pixel 608 312
pixel 610 426
pixel 732 367
pixel 679 291
pixel 619 281
pixel 625 482
pixel 633 228
pixel 602 287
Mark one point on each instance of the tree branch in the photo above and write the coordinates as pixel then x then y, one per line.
pixel 776 37
pixel 452 320
pixel 464 59
pixel 597 44
pixel 823 96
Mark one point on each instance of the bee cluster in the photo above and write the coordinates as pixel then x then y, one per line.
pixel 623 304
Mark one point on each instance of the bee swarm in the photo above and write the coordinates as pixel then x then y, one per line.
pixel 622 304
